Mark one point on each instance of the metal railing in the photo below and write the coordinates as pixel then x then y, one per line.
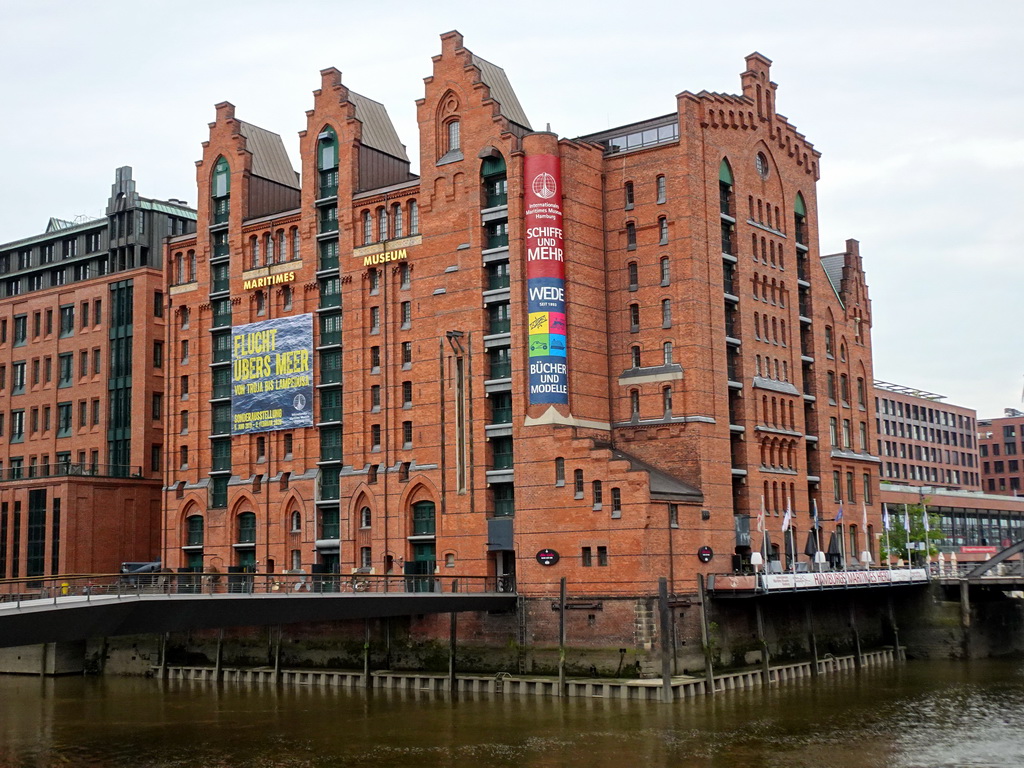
pixel 64 469
pixel 79 588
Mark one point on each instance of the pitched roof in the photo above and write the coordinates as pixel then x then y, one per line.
pixel 269 158
pixel 663 485
pixel 378 131
pixel 494 77
pixel 833 265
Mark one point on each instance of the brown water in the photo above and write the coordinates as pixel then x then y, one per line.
pixel 918 714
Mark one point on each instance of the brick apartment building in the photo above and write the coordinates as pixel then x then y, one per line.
pixel 923 440
pixel 1001 444
pixel 81 381
pixel 617 347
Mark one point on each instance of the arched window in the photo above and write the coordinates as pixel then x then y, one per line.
pixel 454 140
pixel 559 471
pixel 666 313
pixel 254 253
pixel 282 253
pixel 382 224
pixel 634 402
pixel 665 270
pixel 286 297
pixel 414 218
pixel 367 228
pixel 633 273
pixel 296 521
pixel 268 248
pixel 800 219
pixel 397 223
pixel 494 177
pixel 660 189
pixel 628 194
pixel 666 349
pixel 630 236
pixel 634 355
pixel 191 266
pixel 221 190
pixel 666 400
pixel 598 493
pixel 261 303
pixel 295 243
pixel 725 184
pixel 365 517
pixel 179 268
pixel 327 162
pixel 662 230
pixel 634 318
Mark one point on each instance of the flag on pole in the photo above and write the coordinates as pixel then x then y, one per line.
pixel 760 517
pixel 839 514
pixel 814 504
pixel 864 511
pixel 926 526
pixel 906 519
pixel 788 518
pixel 885 517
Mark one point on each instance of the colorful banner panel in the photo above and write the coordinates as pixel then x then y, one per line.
pixel 545 281
pixel 272 375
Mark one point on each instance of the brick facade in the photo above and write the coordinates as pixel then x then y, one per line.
pixel 81 386
pixel 708 344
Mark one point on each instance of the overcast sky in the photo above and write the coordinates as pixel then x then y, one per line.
pixel 917 108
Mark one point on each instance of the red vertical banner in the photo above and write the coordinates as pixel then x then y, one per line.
pixel 545 281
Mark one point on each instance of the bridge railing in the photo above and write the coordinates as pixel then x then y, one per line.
pixel 216 583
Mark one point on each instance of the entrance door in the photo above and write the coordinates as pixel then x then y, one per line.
pixel 505 570
pixel 421 566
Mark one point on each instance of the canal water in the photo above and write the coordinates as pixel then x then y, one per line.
pixel 918 714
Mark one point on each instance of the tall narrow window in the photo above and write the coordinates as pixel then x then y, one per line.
pixel 327 163
pixel 559 472
pixel 577 483
pixel 628 190
pixel 598 494
pixel 662 231
pixel 634 318
pixel 661 189
pixel 666 274
pixel 630 236
pixel 454 140
pixel 666 313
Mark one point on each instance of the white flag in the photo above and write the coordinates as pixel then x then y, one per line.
pixel 864 509
pixel 906 519
pixel 885 517
pixel 760 517
pixel 788 518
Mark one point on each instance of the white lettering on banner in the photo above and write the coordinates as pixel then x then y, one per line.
pixel 547 294
pixel 843 578
pixel 538 368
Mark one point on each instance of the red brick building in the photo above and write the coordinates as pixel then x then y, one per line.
pixel 81 388
pixel 925 441
pixel 617 347
pixel 1001 445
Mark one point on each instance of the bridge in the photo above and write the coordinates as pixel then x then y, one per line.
pixel 71 608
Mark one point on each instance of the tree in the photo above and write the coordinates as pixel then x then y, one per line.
pixel 897 536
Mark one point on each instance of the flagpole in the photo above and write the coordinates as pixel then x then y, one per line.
pixel 906 527
pixel 886 522
pixel 817 538
pixel 927 527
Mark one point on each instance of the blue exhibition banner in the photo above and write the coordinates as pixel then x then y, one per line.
pixel 272 375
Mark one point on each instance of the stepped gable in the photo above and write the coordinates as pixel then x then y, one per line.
pixel 755 110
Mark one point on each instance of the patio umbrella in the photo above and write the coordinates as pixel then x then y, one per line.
pixel 812 544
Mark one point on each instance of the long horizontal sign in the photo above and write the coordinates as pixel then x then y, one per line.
pixel 818 580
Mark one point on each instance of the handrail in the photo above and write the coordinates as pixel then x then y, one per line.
pixel 168 583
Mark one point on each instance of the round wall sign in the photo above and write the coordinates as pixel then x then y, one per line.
pixel 547 557
pixel 704 554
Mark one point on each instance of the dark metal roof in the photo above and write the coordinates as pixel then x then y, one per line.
pixel 269 158
pixel 494 77
pixel 378 131
pixel 664 487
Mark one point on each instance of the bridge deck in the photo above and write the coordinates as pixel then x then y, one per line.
pixel 66 611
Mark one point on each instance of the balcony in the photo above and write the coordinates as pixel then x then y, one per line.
pixel 330 338
pixel 67 469
pixel 221 427
pixel 222 390
pixel 221 249
pixel 222 355
pixel 328 261
pixel 221 319
pixel 221 463
pixel 330 376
